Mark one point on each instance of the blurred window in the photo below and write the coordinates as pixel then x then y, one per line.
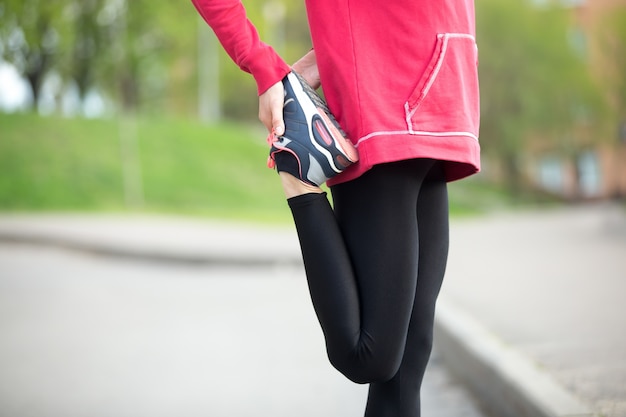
pixel 551 174
pixel 589 174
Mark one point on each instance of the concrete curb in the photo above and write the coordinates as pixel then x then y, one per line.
pixel 177 241
pixel 129 251
pixel 508 383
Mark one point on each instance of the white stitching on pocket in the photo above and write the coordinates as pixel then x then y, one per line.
pixel 431 74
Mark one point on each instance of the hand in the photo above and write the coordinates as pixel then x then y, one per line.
pixel 307 67
pixel 271 109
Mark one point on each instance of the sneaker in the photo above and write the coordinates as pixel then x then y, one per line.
pixel 313 147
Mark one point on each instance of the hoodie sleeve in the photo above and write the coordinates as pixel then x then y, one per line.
pixel 241 41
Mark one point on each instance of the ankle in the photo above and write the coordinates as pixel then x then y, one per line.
pixel 293 187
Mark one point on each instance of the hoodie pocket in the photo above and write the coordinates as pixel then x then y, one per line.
pixel 446 98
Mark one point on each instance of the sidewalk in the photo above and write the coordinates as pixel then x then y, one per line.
pixel 549 289
pixel 531 315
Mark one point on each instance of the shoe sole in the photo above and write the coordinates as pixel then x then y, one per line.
pixel 324 130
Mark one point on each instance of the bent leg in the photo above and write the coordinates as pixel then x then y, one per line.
pixel 361 264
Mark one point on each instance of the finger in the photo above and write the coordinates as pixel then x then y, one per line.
pixel 278 125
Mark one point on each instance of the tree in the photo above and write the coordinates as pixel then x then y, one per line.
pixel 139 53
pixel 87 43
pixel 532 80
pixel 31 33
pixel 288 35
pixel 613 39
pixel 144 39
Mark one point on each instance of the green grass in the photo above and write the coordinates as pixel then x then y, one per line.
pixel 59 164
pixel 53 163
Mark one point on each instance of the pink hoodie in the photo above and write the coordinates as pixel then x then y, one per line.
pixel 400 76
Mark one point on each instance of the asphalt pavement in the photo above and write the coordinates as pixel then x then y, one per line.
pixel 531 315
pixel 100 336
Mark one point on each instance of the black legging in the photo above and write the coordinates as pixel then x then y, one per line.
pixel 374 267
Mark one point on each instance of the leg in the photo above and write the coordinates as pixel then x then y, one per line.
pixel 362 266
pixel 400 395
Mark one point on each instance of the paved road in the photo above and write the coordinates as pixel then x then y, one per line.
pixel 88 335
pixel 544 289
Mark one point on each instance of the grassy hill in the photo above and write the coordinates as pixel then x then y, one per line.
pixel 153 165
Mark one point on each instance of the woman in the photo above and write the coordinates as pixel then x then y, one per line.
pixel 401 79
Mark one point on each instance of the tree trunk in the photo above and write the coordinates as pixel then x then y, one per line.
pixel 38 59
pixel 513 173
pixel 36 73
pixel 130 92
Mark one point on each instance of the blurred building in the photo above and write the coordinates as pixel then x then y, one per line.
pixel 594 164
